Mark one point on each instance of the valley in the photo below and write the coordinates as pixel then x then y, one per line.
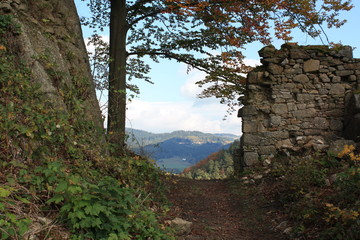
pixel 177 150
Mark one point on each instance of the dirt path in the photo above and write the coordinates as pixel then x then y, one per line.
pixel 219 209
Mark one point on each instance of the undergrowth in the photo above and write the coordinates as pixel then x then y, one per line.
pixel 320 195
pixel 52 169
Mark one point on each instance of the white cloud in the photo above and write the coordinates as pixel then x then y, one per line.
pixel 170 116
pixel 190 89
pixel 204 115
pixel 252 62
pixel 90 47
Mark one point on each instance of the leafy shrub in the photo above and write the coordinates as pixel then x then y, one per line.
pixel 323 209
pixel 56 155
pixel 11 225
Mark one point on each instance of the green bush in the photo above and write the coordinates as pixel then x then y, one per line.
pixel 319 210
pixel 56 156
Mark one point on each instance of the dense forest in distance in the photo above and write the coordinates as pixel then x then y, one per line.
pixel 178 150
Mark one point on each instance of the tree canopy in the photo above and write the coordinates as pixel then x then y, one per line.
pixel 208 35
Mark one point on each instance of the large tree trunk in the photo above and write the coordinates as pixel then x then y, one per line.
pixel 117 77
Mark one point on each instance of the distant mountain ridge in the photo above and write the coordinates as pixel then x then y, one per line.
pixel 179 149
pixel 140 138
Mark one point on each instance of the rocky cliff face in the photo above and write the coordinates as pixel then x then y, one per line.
pixel 51 44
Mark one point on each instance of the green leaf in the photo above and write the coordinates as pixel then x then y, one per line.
pixel 23 225
pixel 56 199
pixel 23 200
pixel 4 192
pixel 74 189
pixel 80 214
pixel 61 187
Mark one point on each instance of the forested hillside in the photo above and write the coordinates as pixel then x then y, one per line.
pixel 180 149
pixel 219 165
pixel 139 138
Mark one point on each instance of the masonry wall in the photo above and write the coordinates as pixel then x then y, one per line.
pixel 296 101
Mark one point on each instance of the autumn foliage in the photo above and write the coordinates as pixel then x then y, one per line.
pixel 207 35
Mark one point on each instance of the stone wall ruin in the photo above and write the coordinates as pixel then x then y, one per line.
pixel 301 99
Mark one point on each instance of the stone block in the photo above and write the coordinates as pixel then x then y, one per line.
pixel 324 78
pixel 336 79
pixel 302 78
pixel 275 69
pixel 284 144
pixel 289 86
pixel 251 139
pixel 266 150
pixel 305 113
pixel 279 108
pixel 266 61
pixel 337 89
pixel 249 126
pixel 255 77
pixel 248 110
pixel 277 134
pixel 293 127
pixel 304 97
pixel 250 158
pixel 320 123
pixel 311 132
pixel 352 66
pixel 311 66
pixel 335 113
pixel 346 51
pixel 275 121
pixel 344 73
pixel 299 53
pixel 267 51
pixel 291 107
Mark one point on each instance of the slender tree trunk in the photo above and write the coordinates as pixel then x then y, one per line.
pixel 117 77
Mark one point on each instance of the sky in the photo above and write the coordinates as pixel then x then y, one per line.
pixel 171 103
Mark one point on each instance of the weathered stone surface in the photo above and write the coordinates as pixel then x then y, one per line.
pixel 181 226
pixel 54 33
pixel 252 140
pixel 266 150
pixel 306 113
pixel 277 134
pixel 304 97
pixel 275 69
pixel 247 110
pixel 305 103
pixel 267 51
pixel 250 158
pixel 311 66
pixel 275 121
pixel 344 73
pixel 346 51
pixel 337 89
pixel 321 123
pixel 299 53
pixel 279 108
pixel 302 78
pixel 255 77
pixel 286 144
pixel 324 78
